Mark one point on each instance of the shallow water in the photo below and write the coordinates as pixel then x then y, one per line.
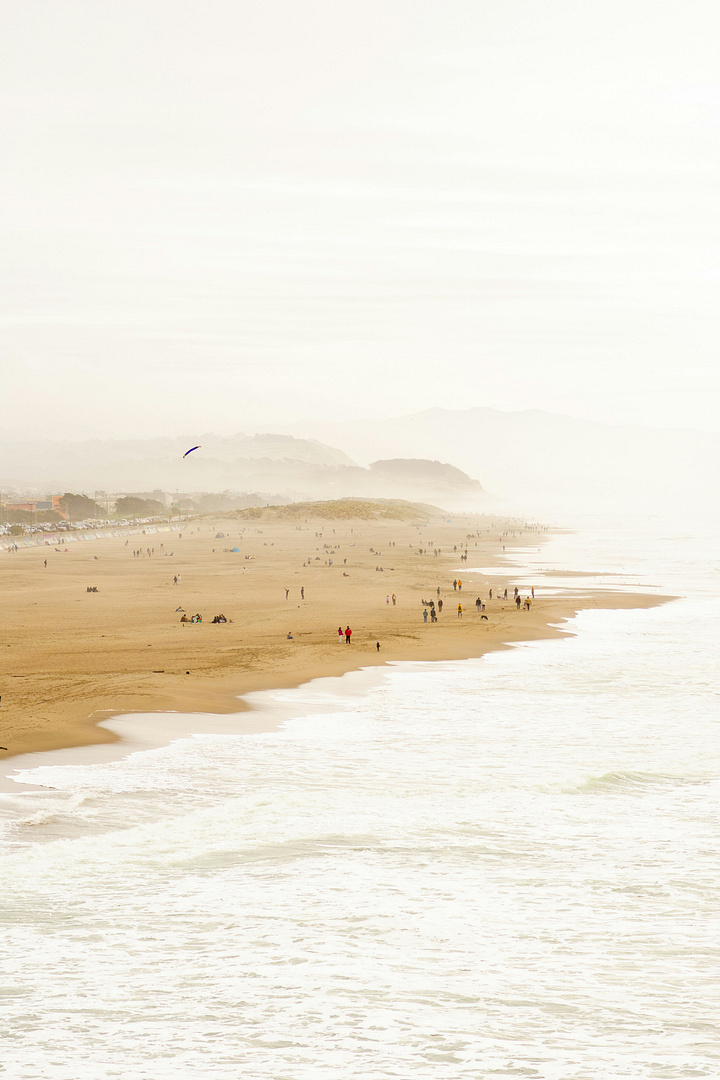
pixel 499 867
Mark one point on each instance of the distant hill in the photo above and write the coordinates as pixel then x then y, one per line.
pixel 535 453
pixel 158 463
pixel 282 468
pixel 343 509
pixel 426 475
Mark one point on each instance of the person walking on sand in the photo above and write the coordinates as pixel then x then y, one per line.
pixel 302 593
pixel 348 635
pixel 394 599
pixel 425 615
pixel 459 586
pixel 440 604
pixel 387 599
pixel 287 593
pixel 340 634
pixel 455 585
pixel 532 590
pixel 459 611
pixel 478 603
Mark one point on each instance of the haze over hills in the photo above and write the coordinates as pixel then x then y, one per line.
pixel 275 467
pixel 539 454
pixel 523 456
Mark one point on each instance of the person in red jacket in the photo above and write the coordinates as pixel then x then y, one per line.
pixel 348 633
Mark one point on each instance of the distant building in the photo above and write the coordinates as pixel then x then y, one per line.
pixel 31 504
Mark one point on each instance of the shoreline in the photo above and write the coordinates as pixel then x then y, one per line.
pixel 221 679
pixel 246 716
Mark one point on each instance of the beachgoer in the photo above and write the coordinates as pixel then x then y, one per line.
pixel 287 593
pixel 425 615
pixel 394 599
pixel 478 603
pixel 377 646
pixel 459 586
pixel 387 599
pixel 533 592
pixel 348 635
pixel 455 585
pixel 302 593
pixel 490 594
pixel 459 611
pixel 340 634
pixel 440 604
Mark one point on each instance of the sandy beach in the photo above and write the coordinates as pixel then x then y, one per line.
pixel 70 658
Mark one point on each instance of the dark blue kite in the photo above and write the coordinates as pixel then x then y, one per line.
pixel 190 450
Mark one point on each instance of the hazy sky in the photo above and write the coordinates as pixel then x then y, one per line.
pixel 228 215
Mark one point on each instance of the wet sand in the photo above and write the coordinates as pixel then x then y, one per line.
pixel 70 658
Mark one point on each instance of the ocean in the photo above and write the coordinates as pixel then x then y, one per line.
pixel 502 867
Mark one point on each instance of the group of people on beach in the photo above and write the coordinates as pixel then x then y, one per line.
pixel 346 636
pixel 199 618
pixel 429 606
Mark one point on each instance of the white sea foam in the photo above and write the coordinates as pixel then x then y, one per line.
pixel 506 866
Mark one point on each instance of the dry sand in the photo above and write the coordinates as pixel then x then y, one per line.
pixel 69 658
